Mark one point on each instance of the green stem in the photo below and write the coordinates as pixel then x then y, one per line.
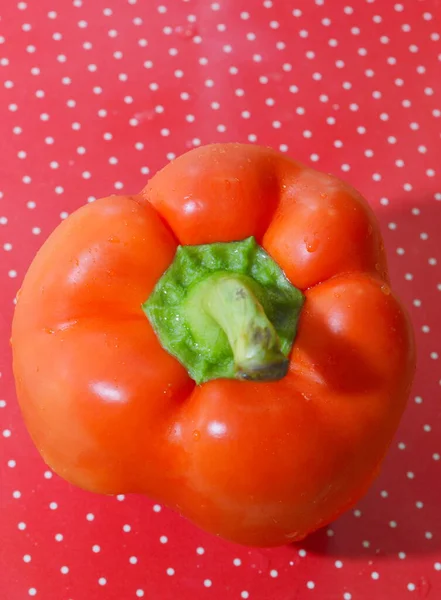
pixel 226 311
pixel 229 300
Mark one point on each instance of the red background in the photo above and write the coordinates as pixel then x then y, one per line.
pixel 97 94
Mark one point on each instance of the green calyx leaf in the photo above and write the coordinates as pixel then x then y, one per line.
pixel 226 310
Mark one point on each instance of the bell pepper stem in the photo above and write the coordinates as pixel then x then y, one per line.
pixel 230 301
pixel 226 311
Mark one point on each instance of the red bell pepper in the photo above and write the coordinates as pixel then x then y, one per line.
pixel 226 342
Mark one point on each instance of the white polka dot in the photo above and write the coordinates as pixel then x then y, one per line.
pixel 338 564
pixel 21 526
pixel 127 528
pixel 170 571
pixel 32 591
pixel 90 516
pixel 140 593
pixel 208 583
pixel 274 573
pixel 310 585
pixel 27 558
pixel 58 537
pixel 102 581
pixel 244 594
pixel 64 570
pixel 96 548
pixel 392 524
pixel 200 551
pixel 375 575
pixel 237 562
pixel 133 560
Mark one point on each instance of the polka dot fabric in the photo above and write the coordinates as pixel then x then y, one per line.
pixel 95 96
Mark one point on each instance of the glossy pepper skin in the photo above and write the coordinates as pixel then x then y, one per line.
pixel 258 463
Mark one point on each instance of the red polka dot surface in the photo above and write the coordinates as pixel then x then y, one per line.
pixel 95 97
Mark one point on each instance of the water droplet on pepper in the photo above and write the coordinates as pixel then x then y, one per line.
pixel 312 242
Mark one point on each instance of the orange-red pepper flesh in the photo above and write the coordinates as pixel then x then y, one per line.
pixel 258 463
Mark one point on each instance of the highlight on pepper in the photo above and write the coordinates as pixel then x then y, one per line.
pixel 225 342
